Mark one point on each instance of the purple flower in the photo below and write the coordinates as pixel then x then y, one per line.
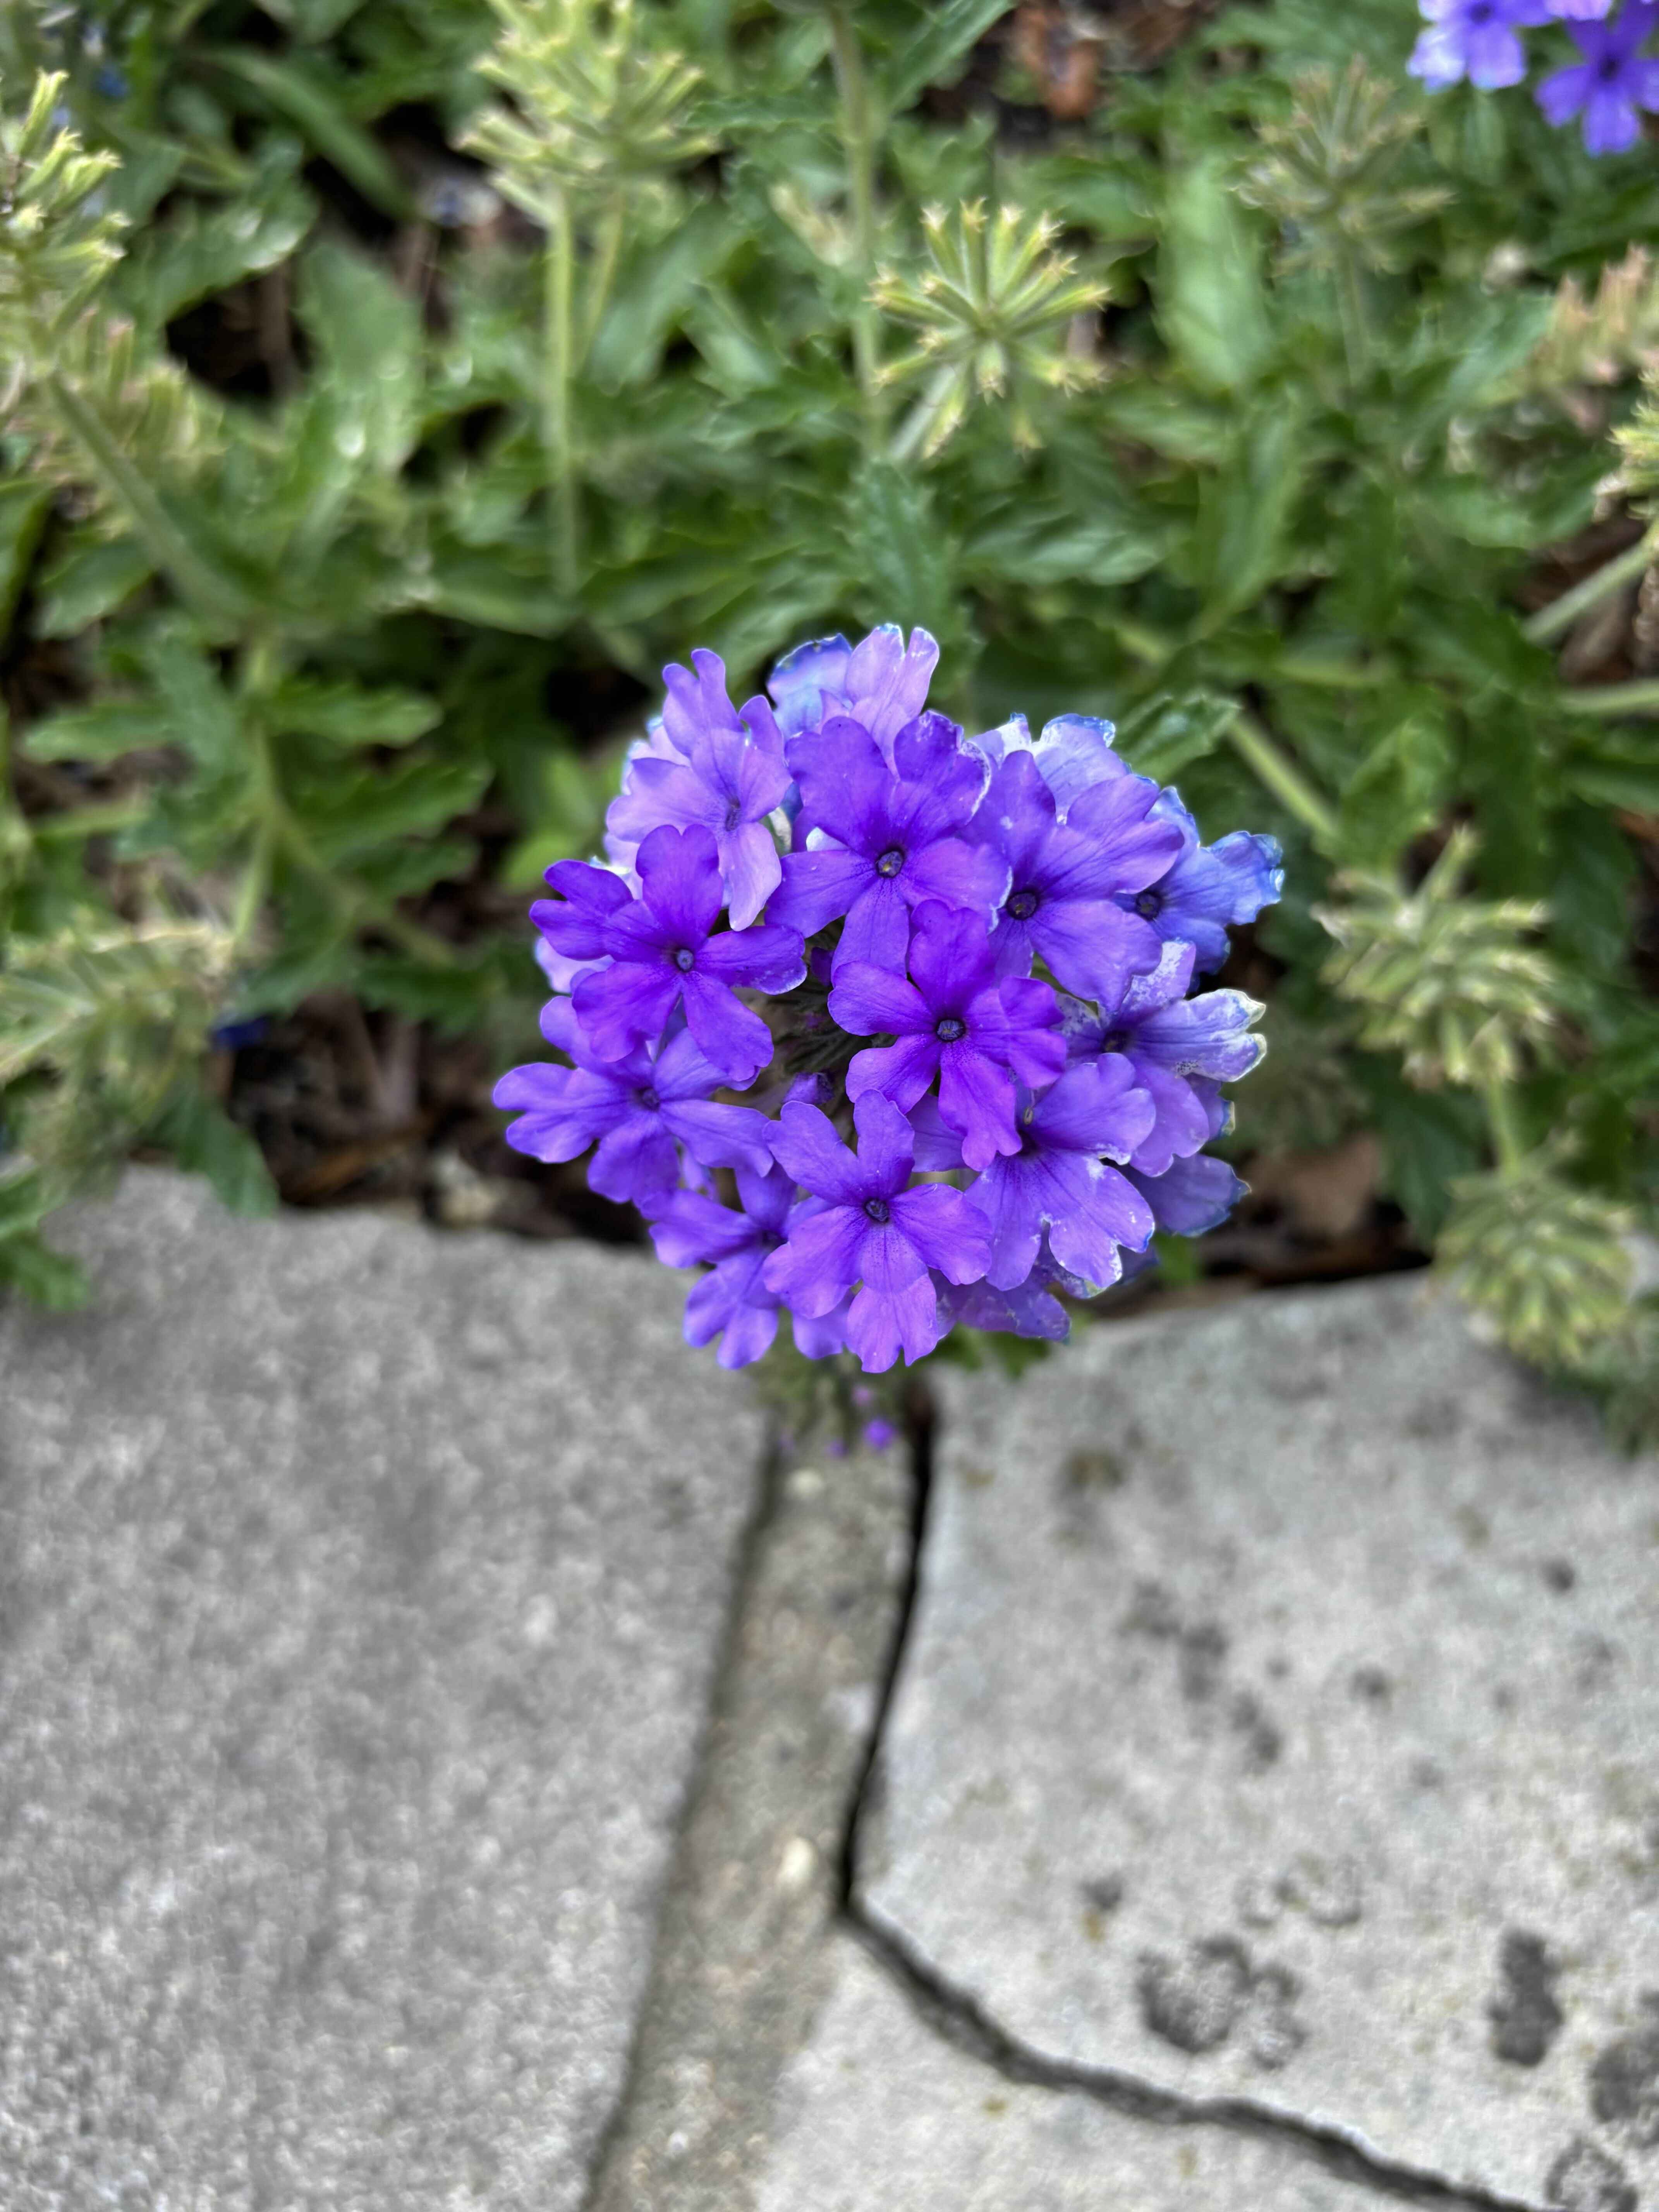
pixel 953 1020
pixel 1074 753
pixel 1209 886
pixel 729 779
pixel 890 837
pixel 1191 1195
pixel 1064 882
pixel 1612 82
pixel 1060 1179
pixel 871 1231
pixel 881 682
pixel 1168 1039
pixel 638 1109
pixel 733 1302
pixel 1474 39
pixel 663 953
pixel 1029 1309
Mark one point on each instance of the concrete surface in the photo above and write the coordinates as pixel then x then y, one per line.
pixel 1277 1729
pixel 361 1595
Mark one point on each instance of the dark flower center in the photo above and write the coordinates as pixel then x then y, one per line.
pixel 1149 903
pixel 950 1029
pixel 649 1100
pixel 1115 1041
pixel 1023 905
pixel 733 813
pixel 889 862
pixel 1481 12
pixel 684 961
pixel 1607 67
pixel 878 1211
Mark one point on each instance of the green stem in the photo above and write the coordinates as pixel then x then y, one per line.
pixel 1284 779
pixel 1505 1130
pixel 1638 698
pixel 1356 319
pixel 1562 613
pixel 604 271
pixel 557 276
pixel 858 132
pixel 90 821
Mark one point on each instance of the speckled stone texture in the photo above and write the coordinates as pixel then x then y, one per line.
pixel 361 1591
pixel 1281 1723
pixel 878 2114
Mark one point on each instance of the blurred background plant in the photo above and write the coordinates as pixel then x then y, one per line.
pixel 391 385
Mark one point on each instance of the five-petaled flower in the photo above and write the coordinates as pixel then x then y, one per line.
pixel 733 1302
pixel 731 777
pixel 1613 80
pixel 664 952
pixel 891 836
pixel 955 1020
pixel 1209 886
pixel 873 1230
pixel 638 1111
pixel 1063 1179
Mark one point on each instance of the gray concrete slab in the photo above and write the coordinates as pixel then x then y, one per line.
pixel 360 1595
pixel 878 2110
pixel 1281 1725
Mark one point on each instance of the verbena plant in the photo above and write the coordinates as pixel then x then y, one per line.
pixel 1238 412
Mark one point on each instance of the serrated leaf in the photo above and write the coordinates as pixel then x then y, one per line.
pixel 1212 304
pixel 202 251
pixel 944 37
pixel 350 714
pixel 89 580
pixel 102 732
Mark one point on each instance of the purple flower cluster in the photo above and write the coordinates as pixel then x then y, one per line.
pixel 1608 87
pixel 952 978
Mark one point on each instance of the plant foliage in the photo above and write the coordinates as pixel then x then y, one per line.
pixel 595 328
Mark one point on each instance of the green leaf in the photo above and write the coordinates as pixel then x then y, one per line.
pixel 1244 513
pixel 90 579
pixel 1039 542
pixel 306 94
pixel 205 1141
pixel 202 251
pixel 949 30
pixel 24 507
pixel 101 731
pixel 1211 305
pixel 901 564
pixel 349 714
pixel 1399 787
pixel 1167 733
pixel 45 1278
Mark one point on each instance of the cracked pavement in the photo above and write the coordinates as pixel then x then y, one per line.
pixel 445 1760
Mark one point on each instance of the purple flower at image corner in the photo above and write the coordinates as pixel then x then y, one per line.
pixel 953 1018
pixel 890 837
pixel 729 776
pixel 664 952
pixel 881 683
pixel 1474 39
pixel 638 1111
pixel 1061 1180
pixel 731 1301
pixel 1210 886
pixel 871 1231
pixel 1066 881
pixel 1168 1039
pixel 1611 82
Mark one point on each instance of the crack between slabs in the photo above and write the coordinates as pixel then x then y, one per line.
pixel 960 2020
